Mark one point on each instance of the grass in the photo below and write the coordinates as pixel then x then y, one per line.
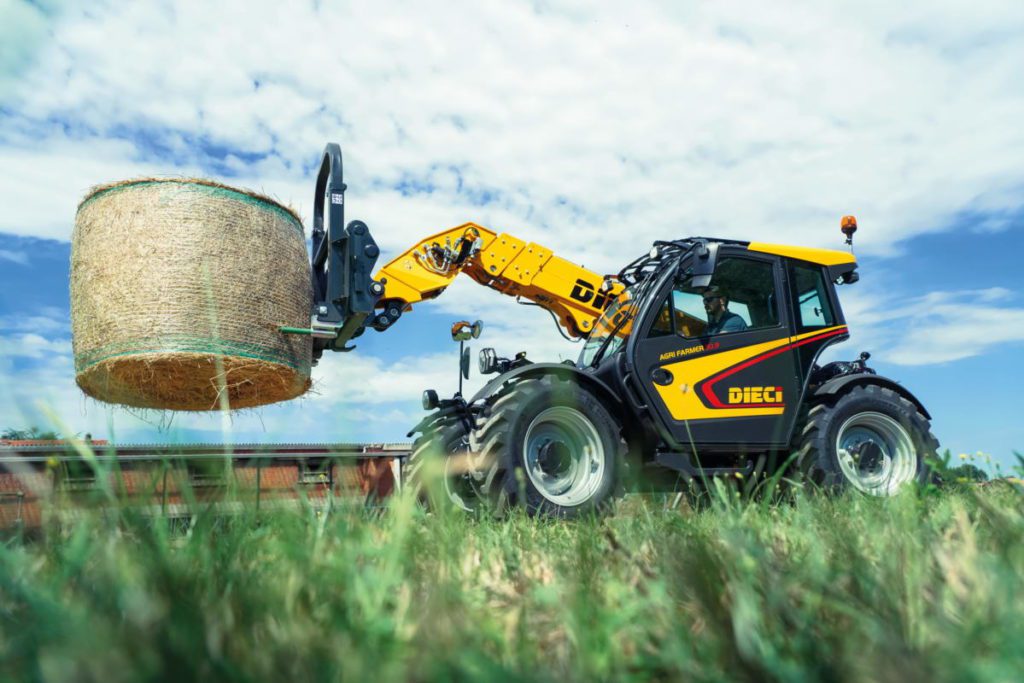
pixel 927 586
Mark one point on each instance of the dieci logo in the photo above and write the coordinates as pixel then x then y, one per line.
pixel 755 395
pixel 583 292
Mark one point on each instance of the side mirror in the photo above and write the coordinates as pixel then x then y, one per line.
pixel 706 256
pixel 476 329
pixel 461 331
pixel 464 363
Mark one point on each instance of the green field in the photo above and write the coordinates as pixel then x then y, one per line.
pixel 927 586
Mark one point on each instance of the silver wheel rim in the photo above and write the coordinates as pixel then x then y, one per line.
pixel 563 455
pixel 876 454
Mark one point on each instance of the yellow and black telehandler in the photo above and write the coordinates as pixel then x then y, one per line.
pixel 699 358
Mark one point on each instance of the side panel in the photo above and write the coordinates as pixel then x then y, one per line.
pixel 748 393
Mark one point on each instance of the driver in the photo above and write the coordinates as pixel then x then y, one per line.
pixel 720 319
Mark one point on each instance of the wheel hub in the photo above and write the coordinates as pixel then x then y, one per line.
pixel 554 458
pixel 869 456
pixel 563 456
pixel 876 453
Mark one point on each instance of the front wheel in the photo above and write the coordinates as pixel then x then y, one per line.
pixel 439 466
pixel 871 440
pixel 555 449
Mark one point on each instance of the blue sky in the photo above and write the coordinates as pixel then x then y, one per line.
pixel 586 127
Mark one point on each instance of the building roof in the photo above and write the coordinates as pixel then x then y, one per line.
pixel 24 443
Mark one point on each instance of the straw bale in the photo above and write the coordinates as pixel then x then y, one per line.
pixel 178 287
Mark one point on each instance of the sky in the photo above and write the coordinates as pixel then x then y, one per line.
pixel 592 128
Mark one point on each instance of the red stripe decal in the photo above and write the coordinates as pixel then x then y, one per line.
pixel 707 384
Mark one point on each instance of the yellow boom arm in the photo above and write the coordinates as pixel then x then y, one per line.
pixel 575 295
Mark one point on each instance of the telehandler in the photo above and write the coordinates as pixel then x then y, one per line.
pixel 699 360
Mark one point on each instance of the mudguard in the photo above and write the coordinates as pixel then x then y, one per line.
pixel 843 383
pixel 564 370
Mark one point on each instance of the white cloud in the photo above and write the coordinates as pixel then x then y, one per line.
pixel 19 257
pixel 22 31
pixel 600 128
pixel 353 378
pixel 35 207
pixel 32 346
pixel 937 327
pixel 47 321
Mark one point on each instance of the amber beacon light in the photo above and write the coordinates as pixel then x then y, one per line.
pixel 849 226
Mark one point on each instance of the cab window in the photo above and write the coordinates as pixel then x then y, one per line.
pixel 741 298
pixel 814 310
pixel 611 329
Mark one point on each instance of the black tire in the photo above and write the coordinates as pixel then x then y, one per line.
pixel 817 460
pixel 439 440
pixel 539 408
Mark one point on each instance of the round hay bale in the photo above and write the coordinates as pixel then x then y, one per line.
pixel 177 290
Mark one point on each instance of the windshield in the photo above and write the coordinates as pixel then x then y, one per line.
pixel 611 329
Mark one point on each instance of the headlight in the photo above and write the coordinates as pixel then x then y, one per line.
pixel 430 399
pixel 488 361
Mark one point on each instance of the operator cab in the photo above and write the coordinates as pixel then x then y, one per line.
pixel 709 382
pixel 748 288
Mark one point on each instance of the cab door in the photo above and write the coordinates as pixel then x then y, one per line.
pixel 735 386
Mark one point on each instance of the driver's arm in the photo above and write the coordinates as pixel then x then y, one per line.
pixel 733 323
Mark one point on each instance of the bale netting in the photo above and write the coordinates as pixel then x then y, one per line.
pixel 178 288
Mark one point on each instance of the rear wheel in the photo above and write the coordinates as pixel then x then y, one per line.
pixel 871 440
pixel 551 446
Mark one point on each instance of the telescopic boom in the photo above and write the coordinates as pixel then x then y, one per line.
pixel 347 298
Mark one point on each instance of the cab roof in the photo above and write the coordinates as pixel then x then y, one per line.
pixel 823 257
